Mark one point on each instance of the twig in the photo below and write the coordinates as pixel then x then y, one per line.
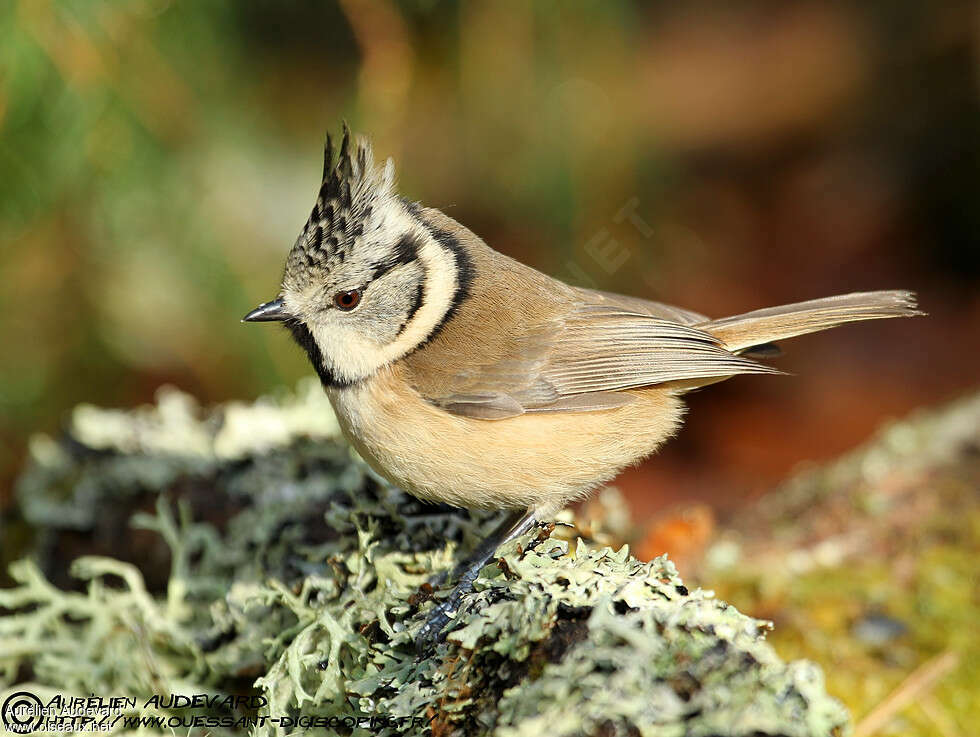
pixel 939 716
pixel 916 684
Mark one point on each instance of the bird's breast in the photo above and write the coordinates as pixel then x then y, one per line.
pixel 535 460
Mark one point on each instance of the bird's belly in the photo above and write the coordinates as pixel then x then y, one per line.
pixel 537 460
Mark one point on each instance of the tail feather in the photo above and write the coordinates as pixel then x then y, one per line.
pixel 758 327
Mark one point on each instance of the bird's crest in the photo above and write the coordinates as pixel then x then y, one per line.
pixel 352 190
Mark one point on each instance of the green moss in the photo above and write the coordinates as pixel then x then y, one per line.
pixel 890 533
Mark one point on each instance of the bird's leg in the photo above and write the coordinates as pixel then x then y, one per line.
pixel 467 570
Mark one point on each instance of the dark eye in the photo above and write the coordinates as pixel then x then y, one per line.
pixel 347 301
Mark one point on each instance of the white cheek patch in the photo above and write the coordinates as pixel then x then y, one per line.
pixel 348 355
pixel 351 355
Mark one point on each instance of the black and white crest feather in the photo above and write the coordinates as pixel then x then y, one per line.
pixel 351 191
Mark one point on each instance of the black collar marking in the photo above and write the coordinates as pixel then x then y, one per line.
pixel 303 336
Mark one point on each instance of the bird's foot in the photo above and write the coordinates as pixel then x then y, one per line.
pixel 466 573
pixel 432 631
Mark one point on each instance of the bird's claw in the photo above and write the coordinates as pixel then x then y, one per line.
pixel 465 574
pixel 432 631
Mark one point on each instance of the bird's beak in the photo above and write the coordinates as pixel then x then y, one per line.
pixel 267 312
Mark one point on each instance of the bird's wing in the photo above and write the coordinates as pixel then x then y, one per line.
pixel 642 306
pixel 684 317
pixel 584 359
pixel 523 342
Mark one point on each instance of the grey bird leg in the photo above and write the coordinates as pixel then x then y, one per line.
pixel 465 574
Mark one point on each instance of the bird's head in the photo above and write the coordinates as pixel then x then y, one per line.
pixel 370 279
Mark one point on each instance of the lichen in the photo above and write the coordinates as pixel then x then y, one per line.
pixel 213 555
pixel 869 563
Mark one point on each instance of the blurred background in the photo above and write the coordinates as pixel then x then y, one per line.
pixel 159 158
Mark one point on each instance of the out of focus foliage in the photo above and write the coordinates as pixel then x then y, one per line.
pixel 159 156
pixel 868 565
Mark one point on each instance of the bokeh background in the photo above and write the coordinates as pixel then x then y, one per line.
pixel 159 157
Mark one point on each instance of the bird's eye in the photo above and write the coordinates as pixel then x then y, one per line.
pixel 347 301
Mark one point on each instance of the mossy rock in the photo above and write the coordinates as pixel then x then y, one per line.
pixel 244 551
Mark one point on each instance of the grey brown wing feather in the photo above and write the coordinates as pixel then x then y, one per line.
pixel 585 359
pixel 602 349
pixel 788 321
pixel 642 306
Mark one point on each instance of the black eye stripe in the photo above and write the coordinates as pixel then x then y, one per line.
pixel 465 274
pixel 405 252
pixel 413 308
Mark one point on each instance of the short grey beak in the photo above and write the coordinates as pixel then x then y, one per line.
pixel 266 312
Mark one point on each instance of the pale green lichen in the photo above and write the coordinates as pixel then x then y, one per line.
pixel 294 574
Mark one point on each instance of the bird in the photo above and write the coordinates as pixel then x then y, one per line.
pixel 465 377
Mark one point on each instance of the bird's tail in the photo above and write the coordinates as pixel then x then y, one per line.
pixel 760 327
